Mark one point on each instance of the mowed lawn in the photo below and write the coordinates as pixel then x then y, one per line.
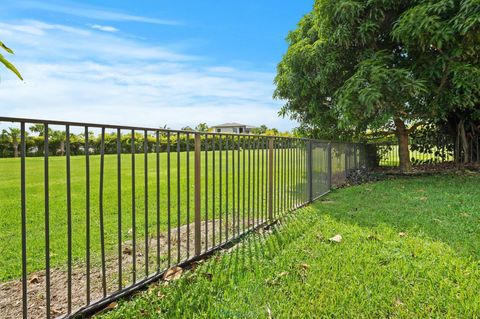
pixel 181 200
pixel 410 249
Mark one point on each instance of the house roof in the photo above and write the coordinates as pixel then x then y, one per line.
pixel 232 125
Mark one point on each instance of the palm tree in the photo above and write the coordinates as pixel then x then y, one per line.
pixel 38 128
pixel 60 137
pixel 13 137
pixel 6 63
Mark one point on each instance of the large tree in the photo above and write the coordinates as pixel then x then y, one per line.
pixel 443 39
pixel 378 65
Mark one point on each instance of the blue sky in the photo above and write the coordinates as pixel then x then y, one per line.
pixel 154 63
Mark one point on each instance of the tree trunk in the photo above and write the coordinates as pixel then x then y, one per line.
pixel 62 148
pixel 15 149
pixel 403 151
pixel 463 141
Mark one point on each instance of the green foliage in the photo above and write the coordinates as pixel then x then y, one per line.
pixel 6 63
pixel 354 65
pixel 202 127
pixel 262 129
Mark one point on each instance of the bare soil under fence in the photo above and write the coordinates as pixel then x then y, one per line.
pixel 11 291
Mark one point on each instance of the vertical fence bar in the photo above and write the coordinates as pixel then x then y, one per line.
pixel 198 194
pixel 23 219
pixel 283 175
pixel 310 170
pixel 294 174
pixel 270 179
pixel 329 165
pixel 233 188
pixel 238 185
pixel 243 183
pixel 169 203
pixel 213 192
pixel 157 181
pixel 289 173
pixel 87 214
pixel 262 194
pixel 226 187
pixel 119 208
pixel 206 191
pixel 145 166
pixel 47 222
pixel 254 181
pixel 178 199
pixel 306 172
pixel 102 227
pixel 249 181
pixel 188 193
pixel 69 221
pixel 278 173
pixel 478 149
pixel 134 247
pixel 220 189
pixel 296 165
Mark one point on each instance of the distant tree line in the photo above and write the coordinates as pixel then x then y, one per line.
pixel 10 140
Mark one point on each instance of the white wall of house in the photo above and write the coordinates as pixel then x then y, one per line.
pixel 231 130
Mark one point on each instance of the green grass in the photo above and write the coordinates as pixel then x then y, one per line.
pixel 375 272
pixel 10 209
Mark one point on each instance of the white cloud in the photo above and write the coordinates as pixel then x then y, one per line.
pixel 84 11
pixel 105 28
pixel 101 77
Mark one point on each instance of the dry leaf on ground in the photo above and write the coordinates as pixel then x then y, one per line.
pixel 111 306
pixel 34 280
pixel 127 250
pixel 173 273
pixel 304 266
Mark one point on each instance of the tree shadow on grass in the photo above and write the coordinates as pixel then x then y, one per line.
pixel 440 208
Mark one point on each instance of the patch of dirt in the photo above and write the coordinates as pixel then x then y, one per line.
pixel 181 248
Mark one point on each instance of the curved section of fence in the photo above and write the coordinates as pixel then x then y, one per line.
pixel 92 212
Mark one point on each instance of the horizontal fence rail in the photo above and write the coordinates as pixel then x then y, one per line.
pixel 93 212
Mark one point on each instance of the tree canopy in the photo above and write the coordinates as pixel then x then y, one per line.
pixel 388 65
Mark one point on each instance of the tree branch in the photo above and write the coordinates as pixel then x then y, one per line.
pixel 415 126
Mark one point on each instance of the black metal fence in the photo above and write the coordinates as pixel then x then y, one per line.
pixel 83 230
pixel 440 149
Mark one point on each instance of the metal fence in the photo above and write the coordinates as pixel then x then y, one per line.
pixel 83 230
pixel 441 149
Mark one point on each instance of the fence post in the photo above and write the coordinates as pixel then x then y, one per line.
pixel 270 178
pixel 310 171
pixel 198 194
pixel 355 158
pixel 346 148
pixel 478 149
pixel 329 164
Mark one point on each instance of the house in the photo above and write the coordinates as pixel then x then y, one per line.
pixel 233 128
